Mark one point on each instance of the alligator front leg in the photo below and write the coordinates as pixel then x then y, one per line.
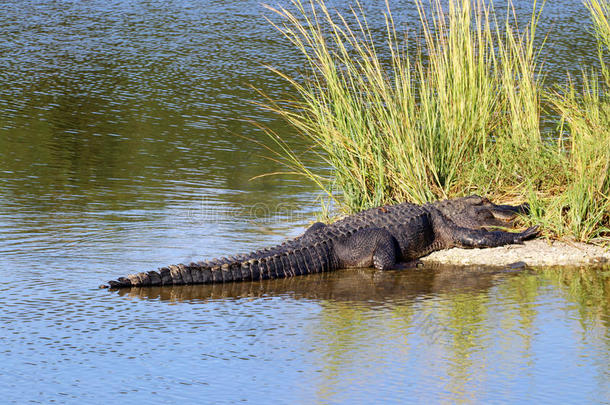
pixel 368 247
pixel 480 238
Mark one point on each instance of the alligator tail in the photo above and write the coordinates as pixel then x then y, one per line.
pixel 260 265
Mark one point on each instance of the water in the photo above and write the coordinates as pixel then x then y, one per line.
pixel 123 147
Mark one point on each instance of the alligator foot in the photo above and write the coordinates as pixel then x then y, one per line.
pixel 480 238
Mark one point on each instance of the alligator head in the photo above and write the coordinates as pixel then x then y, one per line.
pixel 478 212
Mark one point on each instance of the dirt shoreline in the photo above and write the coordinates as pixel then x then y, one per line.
pixel 538 252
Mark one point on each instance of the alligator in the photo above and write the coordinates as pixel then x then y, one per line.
pixel 384 237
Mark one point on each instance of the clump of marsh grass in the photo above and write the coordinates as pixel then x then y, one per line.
pixel 411 121
pixel 582 207
pixel 455 112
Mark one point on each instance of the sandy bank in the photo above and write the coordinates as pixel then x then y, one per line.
pixel 538 252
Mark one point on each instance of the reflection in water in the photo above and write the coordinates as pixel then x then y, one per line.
pixel 362 287
pixel 460 331
pixel 122 105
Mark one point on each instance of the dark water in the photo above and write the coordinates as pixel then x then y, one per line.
pixel 122 148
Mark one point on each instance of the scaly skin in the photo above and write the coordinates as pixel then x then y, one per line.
pixel 379 237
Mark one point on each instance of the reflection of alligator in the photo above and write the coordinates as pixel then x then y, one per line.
pixel 378 237
pixel 364 287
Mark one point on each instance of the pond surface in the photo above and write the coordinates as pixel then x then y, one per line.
pixel 123 147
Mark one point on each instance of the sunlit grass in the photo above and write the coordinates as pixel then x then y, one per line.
pixel 581 208
pixel 454 112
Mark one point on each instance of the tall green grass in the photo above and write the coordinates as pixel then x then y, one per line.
pixel 581 209
pixel 454 111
